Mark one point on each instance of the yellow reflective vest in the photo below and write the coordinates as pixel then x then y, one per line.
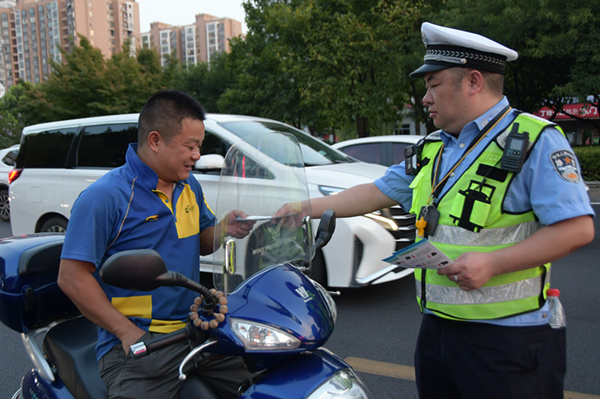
pixel 471 220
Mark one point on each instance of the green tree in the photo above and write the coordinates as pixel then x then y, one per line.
pixel 324 63
pixel 262 86
pixel 558 55
pixel 205 81
pixel 129 83
pixel 76 87
pixel 26 103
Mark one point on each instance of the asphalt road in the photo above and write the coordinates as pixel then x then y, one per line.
pixel 377 329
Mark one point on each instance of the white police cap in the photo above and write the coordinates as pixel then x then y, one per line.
pixel 449 48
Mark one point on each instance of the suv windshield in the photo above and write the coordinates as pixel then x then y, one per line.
pixel 314 151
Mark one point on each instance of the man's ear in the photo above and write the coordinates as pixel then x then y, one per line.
pixel 475 80
pixel 154 139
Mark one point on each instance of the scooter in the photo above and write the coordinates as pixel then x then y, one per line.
pixel 262 306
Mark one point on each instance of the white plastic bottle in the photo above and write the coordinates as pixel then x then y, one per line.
pixel 556 316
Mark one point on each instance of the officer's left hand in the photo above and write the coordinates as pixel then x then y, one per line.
pixel 470 270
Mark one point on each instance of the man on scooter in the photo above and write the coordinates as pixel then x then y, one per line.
pixel 153 202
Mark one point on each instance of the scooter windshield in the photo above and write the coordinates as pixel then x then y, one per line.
pixel 261 173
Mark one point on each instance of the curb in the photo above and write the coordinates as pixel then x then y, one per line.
pixel 593 190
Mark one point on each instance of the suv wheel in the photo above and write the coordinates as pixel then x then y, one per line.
pixel 55 224
pixel 4 205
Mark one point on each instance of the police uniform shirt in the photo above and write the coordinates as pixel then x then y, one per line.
pixel 541 186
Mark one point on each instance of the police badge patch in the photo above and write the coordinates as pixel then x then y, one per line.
pixel 565 164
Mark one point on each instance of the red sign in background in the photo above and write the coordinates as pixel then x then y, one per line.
pixel 581 110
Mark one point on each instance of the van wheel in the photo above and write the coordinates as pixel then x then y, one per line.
pixel 55 224
pixel 318 271
pixel 4 205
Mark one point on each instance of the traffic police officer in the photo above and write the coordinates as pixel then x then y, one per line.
pixel 500 192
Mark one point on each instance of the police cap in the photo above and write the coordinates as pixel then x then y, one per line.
pixel 449 48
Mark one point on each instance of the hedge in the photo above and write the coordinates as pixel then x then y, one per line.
pixel 589 159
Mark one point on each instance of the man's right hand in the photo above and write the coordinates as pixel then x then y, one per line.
pixel 131 337
pixel 76 279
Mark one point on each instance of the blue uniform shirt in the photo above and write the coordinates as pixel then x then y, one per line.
pixel 538 187
pixel 123 211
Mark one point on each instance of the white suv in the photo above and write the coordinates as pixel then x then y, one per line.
pixel 58 160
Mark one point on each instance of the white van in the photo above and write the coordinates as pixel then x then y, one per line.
pixel 58 160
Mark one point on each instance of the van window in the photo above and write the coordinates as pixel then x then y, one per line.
pixel 105 146
pixel 46 149
pixel 212 144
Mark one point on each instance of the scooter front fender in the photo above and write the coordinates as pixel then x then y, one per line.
pixel 297 377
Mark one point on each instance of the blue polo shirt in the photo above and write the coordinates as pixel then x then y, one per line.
pixel 539 186
pixel 123 211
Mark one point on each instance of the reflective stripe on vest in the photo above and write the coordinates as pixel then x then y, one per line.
pixel 456 235
pixel 453 295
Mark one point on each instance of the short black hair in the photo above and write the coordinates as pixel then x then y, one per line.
pixel 164 113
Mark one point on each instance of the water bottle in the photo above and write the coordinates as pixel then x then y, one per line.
pixel 556 317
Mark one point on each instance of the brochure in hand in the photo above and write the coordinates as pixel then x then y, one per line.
pixel 422 254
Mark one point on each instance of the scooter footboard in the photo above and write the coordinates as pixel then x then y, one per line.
pixel 34 386
pixel 306 376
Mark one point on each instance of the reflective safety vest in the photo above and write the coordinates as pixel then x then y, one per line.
pixel 471 220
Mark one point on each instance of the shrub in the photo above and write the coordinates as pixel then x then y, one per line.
pixel 589 159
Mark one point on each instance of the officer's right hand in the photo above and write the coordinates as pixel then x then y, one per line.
pixel 292 214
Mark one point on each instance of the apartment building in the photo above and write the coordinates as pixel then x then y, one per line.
pixel 32 31
pixel 8 55
pixel 193 43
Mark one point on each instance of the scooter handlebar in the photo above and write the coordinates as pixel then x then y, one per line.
pixel 143 348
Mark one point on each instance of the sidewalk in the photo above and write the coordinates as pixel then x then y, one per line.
pixel 594 190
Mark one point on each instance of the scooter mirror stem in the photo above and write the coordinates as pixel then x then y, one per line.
pixel 325 229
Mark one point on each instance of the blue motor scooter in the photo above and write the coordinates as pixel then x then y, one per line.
pixel 263 306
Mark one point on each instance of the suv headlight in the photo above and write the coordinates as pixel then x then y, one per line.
pixel 258 336
pixel 385 221
pixel 329 190
pixel 343 384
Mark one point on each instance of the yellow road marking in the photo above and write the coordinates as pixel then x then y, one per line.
pixel 382 368
pixel 408 373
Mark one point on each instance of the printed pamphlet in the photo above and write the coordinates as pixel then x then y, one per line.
pixel 422 254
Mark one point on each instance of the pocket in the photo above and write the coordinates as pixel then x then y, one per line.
pixel 471 209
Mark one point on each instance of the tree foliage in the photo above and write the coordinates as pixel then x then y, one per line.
pixel 559 59
pixel 86 84
pixel 262 86
pixel 324 63
pixel 335 66
pixel 206 81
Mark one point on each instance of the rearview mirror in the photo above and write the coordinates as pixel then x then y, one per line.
pixel 136 269
pixel 325 229
pixel 210 161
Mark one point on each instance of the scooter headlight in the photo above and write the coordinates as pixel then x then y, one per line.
pixel 328 299
pixel 343 384
pixel 260 337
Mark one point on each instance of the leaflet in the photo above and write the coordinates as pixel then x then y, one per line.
pixel 422 255
pixel 259 217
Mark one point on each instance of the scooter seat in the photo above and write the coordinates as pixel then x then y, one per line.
pixel 70 347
